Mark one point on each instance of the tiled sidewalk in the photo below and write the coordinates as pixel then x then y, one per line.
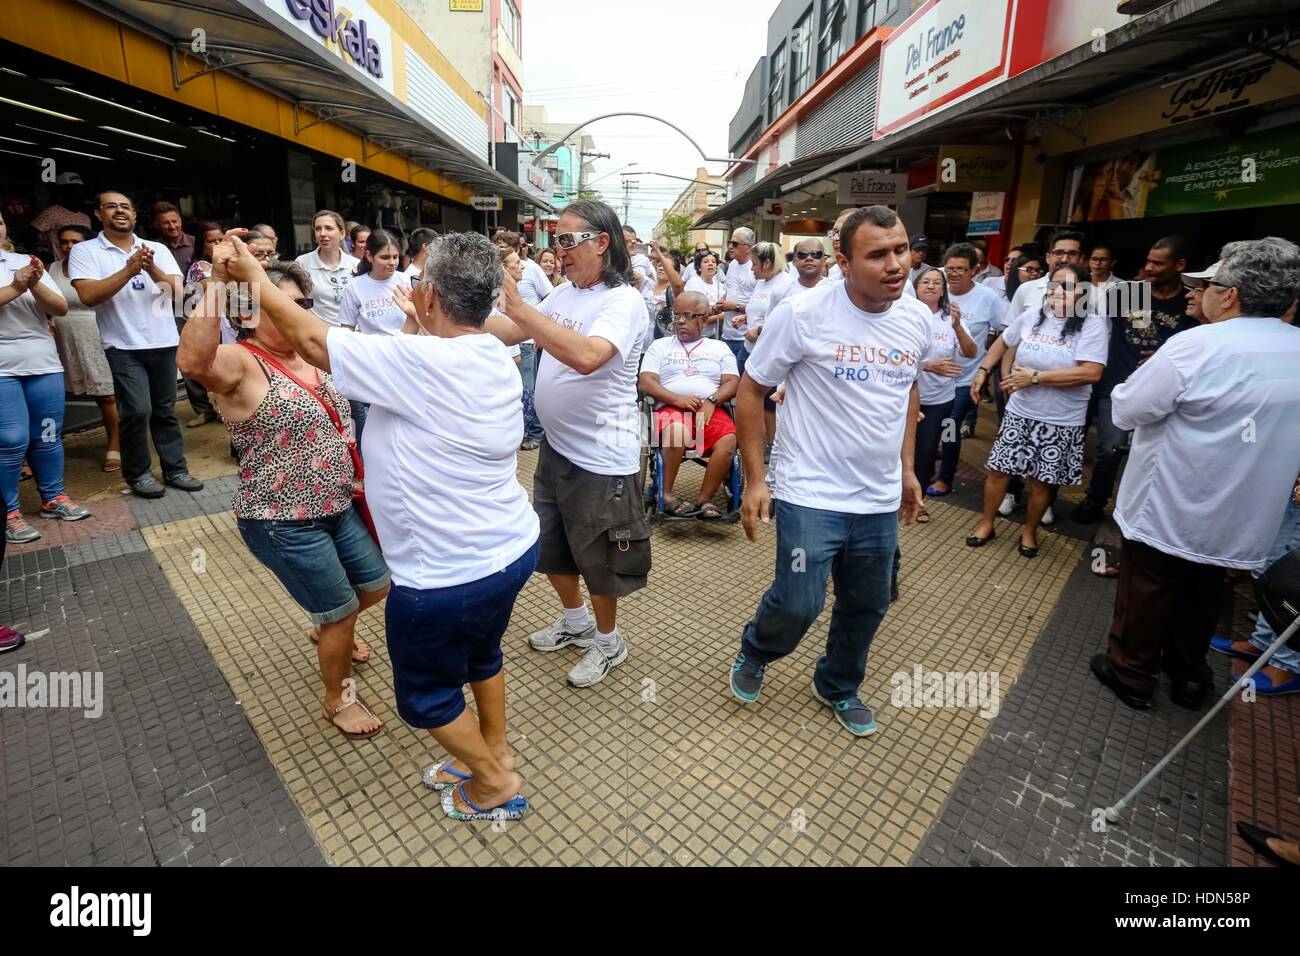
pixel 214 705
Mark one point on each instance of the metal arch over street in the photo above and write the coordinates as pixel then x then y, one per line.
pixel 658 119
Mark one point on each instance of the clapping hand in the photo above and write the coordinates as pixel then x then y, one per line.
pixel 236 259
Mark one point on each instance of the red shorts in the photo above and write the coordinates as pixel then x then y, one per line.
pixel 719 426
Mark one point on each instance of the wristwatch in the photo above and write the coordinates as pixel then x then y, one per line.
pixel 1033 379
pixel 712 400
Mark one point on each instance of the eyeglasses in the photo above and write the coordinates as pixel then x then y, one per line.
pixel 810 255
pixel 1064 253
pixel 687 316
pixel 114 206
pixel 832 234
pixel 305 303
pixel 1031 270
pixel 568 240
pixel 956 270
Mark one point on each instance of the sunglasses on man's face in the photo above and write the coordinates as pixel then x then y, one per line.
pixel 568 240
pixel 809 255
pixel 688 316
pixel 304 303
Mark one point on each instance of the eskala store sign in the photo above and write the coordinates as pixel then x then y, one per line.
pixel 348 28
pixel 945 52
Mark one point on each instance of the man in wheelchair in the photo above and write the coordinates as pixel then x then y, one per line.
pixel 690 377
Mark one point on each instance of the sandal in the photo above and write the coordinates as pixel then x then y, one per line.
pixel 112 461
pixel 512 809
pixel 708 511
pixel 923 517
pixel 350 699
pixel 677 508
pixel 312 635
pixel 429 777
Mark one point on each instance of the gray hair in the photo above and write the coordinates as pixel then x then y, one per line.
pixel 1265 272
pixel 464 268
pixel 745 235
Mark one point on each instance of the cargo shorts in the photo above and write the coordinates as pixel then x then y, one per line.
pixel 591 525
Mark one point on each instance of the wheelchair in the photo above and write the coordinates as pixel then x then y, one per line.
pixel 651 476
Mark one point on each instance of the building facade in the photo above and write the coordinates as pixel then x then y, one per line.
pixel 705 193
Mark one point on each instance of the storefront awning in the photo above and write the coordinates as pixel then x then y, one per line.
pixel 1183 36
pixel 255 40
pixel 770 186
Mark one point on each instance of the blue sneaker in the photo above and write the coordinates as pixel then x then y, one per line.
pixel 746 678
pixel 856 716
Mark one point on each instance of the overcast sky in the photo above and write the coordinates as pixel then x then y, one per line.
pixel 682 60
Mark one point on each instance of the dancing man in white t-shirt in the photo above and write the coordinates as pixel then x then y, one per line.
pixel 849 353
pixel 585 488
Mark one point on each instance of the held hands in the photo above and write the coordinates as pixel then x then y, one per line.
pixel 945 367
pixel 1019 378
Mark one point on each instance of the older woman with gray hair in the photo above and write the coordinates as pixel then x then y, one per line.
pixel 293 505
pixel 456 527
pixel 1213 465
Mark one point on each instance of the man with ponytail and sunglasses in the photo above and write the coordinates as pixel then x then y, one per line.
pixel 585 490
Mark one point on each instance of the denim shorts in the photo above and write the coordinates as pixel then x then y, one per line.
pixel 440 639
pixel 323 564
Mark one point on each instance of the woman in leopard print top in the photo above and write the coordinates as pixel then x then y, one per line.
pixel 294 501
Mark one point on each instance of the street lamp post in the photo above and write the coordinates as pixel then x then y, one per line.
pixel 658 119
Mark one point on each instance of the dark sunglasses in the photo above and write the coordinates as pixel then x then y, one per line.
pixel 305 303
pixel 809 255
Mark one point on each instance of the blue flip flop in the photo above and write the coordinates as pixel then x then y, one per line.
pixel 512 809
pixel 427 778
pixel 1265 687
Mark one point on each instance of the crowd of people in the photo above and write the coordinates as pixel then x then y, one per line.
pixel 378 388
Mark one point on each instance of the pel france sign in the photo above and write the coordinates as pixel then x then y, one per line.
pixel 945 52
pixel 871 189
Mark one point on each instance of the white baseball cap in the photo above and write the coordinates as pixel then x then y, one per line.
pixel 68 179
pixel 1199 280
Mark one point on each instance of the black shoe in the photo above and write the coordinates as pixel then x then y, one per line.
pixel 1028 552
pixel 185 482
pixel 1258 841
pixel 146 486
pixel 1102 670
pixel 975 541
pixel 1188 693
pixel 1085 512
pixel 893 589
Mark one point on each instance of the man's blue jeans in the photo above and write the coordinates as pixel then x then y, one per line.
pixel 1287 540
pixel 857 553
pixel 528 372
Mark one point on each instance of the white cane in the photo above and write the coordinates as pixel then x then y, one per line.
pixel 1112 812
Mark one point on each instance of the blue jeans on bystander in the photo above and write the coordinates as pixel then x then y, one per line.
pixel 31 427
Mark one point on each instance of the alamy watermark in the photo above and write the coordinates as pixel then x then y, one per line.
pixel 952 689
pixel 74 690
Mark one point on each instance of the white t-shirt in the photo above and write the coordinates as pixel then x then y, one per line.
pixel 327 284
pixel 534 287
pixel 368 305
pixel 849 377
pixel 140 315
pixel 694 369
pixel 979 307
pixel 592 419
pixel 938 389
pixel 26 345
pixel 766 296
pixel 908 288
pixel 1029 296
pixel 445 421
pixel 738 286
pixel 713 291
pixel 412 273
pixel 1045 349
pixel 998 284
pixel 1215 455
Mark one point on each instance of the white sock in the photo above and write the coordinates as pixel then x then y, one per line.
pixel 576 618
pixel 608 642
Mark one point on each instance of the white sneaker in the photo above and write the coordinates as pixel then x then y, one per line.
pixel 555 636
pixel 595 664
pixel 1008 505
pixel 1048 517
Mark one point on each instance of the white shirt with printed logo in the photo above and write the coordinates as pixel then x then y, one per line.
pixel 592 419
pixel 849 377
pixel 140 315
pixel 1046 349
pixel 938 389
pixel 694 369
pixel 368 305
pixel 766 296
pixel 738 286
pixel 328 284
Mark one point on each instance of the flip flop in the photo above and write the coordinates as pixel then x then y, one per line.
pixel 112 461
pixel 923 517
pixel 311 636
pixel 348 701
pixel 512 809
pixel 708 512
pixel 428 778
